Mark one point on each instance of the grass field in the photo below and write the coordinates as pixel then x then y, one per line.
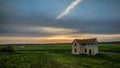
pixel 58 60
pixel 109 47
pixel 43 47
pixel 83 61
pixel 67 47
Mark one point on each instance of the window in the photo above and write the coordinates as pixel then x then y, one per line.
pixel 75 44
pixel 85 50
pixel 75 50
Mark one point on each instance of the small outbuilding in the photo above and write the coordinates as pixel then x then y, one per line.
pixel 85 46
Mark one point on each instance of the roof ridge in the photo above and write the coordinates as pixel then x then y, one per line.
pixel 86 41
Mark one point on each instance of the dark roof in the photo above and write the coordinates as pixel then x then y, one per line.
pixel 86 41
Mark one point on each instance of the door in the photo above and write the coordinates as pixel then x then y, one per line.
pixel 90 52
pixel 85 50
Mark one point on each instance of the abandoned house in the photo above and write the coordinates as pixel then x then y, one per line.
pixel 85 46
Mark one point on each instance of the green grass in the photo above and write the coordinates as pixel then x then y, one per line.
pixel 44 47
pixel 64 47
pixel 58 60
pixel 102 47
pixel 109 47
pixel 98 61
pixel 28 60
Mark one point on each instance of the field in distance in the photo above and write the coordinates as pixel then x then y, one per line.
pixel 107 47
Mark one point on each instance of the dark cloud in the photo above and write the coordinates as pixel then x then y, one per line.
pixel 103 27
pixel 31 14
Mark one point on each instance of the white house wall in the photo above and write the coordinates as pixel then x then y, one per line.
pixel 96 48
pixel 80 49
pixel 77 48
pixel 89 47
pixel 93 48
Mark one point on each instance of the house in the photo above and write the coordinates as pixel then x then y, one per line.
pixel 85 46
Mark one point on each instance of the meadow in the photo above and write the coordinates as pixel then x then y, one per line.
pixel 58 59
pixel 111 47
pixel 65 47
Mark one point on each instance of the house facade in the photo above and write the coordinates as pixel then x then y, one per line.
pixel 85 46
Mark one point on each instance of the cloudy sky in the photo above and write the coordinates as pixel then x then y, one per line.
pixel 34 21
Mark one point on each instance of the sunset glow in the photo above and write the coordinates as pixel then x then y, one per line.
pixel 56 39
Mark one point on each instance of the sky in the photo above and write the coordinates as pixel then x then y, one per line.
pixel 34 21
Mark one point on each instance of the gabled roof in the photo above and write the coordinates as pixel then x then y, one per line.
pixel 86 41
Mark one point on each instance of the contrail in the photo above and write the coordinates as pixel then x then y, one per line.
pixel 69 8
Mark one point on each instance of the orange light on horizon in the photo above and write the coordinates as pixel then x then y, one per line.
pixel 57 38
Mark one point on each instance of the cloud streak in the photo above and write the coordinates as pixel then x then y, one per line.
pixel 70 7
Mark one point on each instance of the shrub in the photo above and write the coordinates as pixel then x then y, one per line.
pixel 7 49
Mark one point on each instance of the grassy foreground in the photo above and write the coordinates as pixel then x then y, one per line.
pixel 58 60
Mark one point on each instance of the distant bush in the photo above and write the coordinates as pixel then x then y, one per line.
pixel 7 49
